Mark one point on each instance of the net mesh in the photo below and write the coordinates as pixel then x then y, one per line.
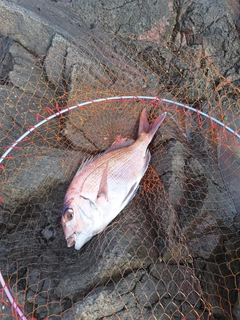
pixel 173 252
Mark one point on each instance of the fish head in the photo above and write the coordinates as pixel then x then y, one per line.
pixel 78 221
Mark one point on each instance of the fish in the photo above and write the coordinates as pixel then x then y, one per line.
pixel 104 185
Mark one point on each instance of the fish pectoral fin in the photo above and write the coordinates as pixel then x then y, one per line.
pixel 101 200
pixel 103 187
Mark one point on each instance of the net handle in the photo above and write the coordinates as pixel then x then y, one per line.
pixel 10 297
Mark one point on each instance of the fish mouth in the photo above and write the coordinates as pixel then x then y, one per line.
pixel 71 239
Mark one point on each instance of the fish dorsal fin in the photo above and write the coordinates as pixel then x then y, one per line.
pixel 102 195
pixel 120 143
pixel 87 161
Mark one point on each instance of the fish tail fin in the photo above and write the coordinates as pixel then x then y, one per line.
pixel 150 128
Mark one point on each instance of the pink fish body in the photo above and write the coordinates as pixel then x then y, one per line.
pixel 104 185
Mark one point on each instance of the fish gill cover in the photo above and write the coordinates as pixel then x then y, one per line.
pixel 174 251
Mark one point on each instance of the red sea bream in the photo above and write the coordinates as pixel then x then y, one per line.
pixel 105 184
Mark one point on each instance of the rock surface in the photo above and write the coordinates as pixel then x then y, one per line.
pixel 174 250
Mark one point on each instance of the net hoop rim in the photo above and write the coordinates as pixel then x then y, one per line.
pixel 118 98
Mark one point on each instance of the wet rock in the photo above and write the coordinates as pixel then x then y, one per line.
pixel 127 314
pixel 43 169
pixel 55 59
pixel 117 17
pixel 93 134
pixel 100 64
pixel 34 175
pixel 219 287
pixel 19 112
pixel 170 241
pixel 146 291
pixel 236 223
pixel 142 295
pixel 48 234
pixel 219 162
pixel 35 274
pixel 5 308
pixel 187 216
pixel 6 63
pixel 27 73
pixel 39 21
pixel 203 236
pixel 229 161
pixel 121 249
pixel 198 23
pixel 231 245
pixel 195 188
pixel 169 162
pixel 188 66
pixel 108 72
pixel 216 212
pixel 236 308
pixel 181 284
pixel 106 301
pixel 118 249
pixel 178 70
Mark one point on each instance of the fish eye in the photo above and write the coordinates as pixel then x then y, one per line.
pixel 68 214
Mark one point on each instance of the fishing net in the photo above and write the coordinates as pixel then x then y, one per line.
pixel 173 252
